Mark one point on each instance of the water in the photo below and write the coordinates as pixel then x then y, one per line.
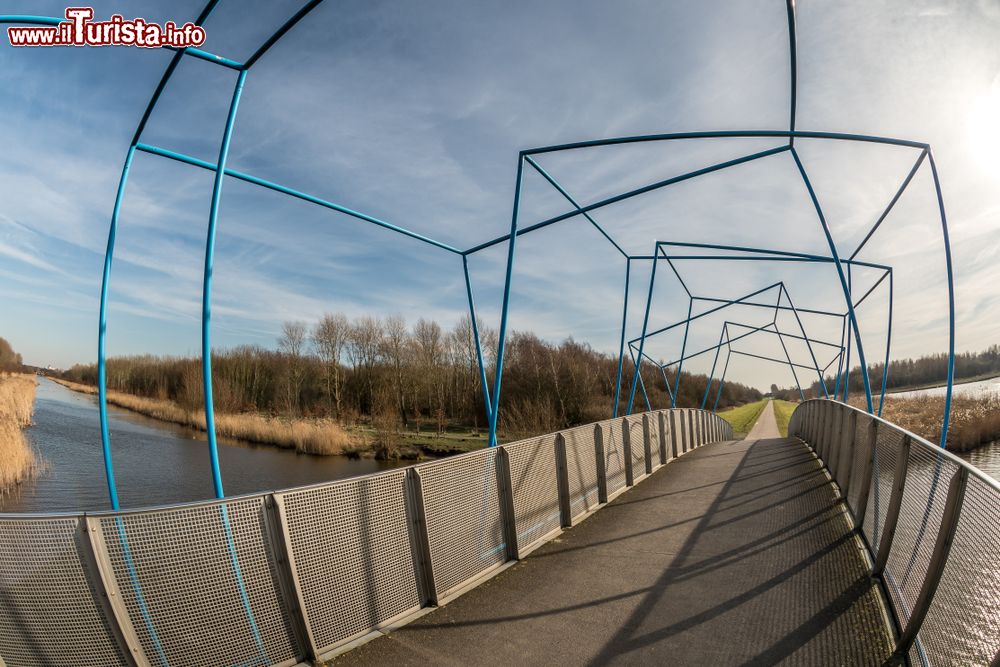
pixel 155 462
pixel 990 386
pixel 987 457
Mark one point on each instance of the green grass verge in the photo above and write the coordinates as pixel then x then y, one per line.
pixel 782 413
pixel 744 417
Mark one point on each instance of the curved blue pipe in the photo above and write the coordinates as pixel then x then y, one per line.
pixel 206 299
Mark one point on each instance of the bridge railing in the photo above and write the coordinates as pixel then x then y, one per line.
pixel 931 524
pixel 278 578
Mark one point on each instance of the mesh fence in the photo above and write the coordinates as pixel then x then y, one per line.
pixel 200 583
pixel 535 488
pixel 581 469
pixel 351 547
pixel 614 455
pixel 962 623
pixel 462 514
pixel 637 442
pixel 49 612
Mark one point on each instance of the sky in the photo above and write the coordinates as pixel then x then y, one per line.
pixel 415 113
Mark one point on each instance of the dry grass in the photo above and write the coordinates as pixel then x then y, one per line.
pixel 17 460
pixel 975 420
pixel 309 436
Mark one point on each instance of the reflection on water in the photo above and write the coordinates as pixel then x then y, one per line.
pixel 986 458
pixel 155 463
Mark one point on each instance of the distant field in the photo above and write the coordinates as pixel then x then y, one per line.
pixel 743 418
pixel 782 413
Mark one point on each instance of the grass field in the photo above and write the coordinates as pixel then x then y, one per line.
pixel 782 413
pixel 743 418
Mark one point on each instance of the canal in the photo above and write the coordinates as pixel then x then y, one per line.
pixel 155 462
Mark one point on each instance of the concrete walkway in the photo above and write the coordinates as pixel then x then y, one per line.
pixel 735 554
pixel 766 425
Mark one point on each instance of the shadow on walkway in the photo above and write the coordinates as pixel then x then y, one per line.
pixel 737 553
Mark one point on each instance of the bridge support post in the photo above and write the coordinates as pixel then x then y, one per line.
pixel 673 434
pixel 647 443
pixel 942 547
pixel 682 419
pixel 837 446
pixel 663 437
pixel 419 541
pixel 602 465
pixel 892 511
pixel 97 565
pixel 627 453
pixel 276 528
pixel 562 482
pixel 867 470
pixel 692 436
pixel 507 516
pixel 848 447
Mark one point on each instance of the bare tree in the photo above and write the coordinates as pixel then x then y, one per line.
pixel 364 346
pixel 292 343
pixel 330 336
pixel 394 351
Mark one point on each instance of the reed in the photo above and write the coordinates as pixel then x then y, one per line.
pixel 308 436
pixel 975 420
pixel 17 459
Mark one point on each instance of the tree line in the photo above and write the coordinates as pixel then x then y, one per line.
pixel 373 368
pixel 931 369
pixel 10 361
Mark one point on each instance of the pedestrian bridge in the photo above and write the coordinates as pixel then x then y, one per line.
pixel 850 542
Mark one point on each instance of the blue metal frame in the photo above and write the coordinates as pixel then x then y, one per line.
pixel 851 335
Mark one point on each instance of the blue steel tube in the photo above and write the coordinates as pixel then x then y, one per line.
pixel 475 335
pixel 505 309
pixel 621 345
pixel 642 341
pixel 642 383
pixel 819 373
pixel 102 373
pixel 840 361
pixel 711 376
pixel 791 365
pixel 847 363
pixel 843 281
pixel 206 303
pixel 666 382
pixel 888 342
pixel 722 381
pixel 951 301
pixel 680 364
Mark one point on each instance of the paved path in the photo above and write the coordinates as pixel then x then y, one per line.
pixel 766 426
pixel 736 553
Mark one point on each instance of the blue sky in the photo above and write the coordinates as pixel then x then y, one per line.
pixel 415 112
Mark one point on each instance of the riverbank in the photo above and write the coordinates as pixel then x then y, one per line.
pixel 17 459
pixel 975 420
pixel 308 436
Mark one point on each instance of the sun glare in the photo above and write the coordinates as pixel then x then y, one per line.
pixel 984 129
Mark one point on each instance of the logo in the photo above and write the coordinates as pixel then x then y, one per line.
pixel 79 29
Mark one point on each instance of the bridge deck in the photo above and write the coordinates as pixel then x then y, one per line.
pixel 735 553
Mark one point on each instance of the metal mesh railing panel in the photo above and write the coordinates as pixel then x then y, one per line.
pixel 350 542
pixel 927 477
pixel 859 462
pixel 462 512
pixel 614 455
pixel 199 584
pixel 887 442
pixel 581 470
pixel 638 448
pixel 49 612
pixel 963 624
pixel 535 488
pixel 654 440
